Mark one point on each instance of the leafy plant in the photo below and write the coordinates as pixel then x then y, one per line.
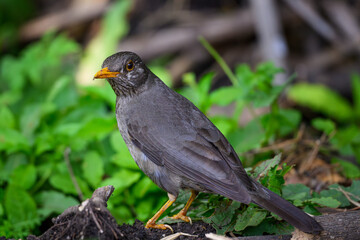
pixel 45 119
pixel 231 216
pixel 253 90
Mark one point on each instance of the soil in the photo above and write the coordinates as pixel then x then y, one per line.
pixel 137 231
pixel 92 220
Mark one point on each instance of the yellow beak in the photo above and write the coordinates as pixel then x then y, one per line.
pixel 105 73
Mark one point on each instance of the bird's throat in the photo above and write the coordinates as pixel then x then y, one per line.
pixel 120 88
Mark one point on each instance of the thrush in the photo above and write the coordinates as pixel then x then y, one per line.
pixel 178 147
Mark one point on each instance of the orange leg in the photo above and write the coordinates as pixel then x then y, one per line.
pixel 152 222
pixel 182 214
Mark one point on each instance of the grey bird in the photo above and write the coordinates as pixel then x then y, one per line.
pixel 178 147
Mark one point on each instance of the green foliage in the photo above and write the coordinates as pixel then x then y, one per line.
pixel 253 89
pixel 347 141
pixel 325 125
pixel 321 99
pixel 42 114
pixel 356 94
pixel 231 216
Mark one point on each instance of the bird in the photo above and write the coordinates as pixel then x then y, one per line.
pixel 179 148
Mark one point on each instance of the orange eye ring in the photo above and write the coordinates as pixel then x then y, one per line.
pixel 130 66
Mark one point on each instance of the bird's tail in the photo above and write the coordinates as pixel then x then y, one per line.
pixel 274 203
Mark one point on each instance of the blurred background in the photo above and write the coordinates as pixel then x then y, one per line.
pixel 58 135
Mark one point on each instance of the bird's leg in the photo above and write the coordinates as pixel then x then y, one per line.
pixel 152 222
pixel 182 214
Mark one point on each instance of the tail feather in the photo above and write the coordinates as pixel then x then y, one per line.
pixel 296 217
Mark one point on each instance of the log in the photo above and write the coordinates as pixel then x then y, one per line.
pixel 339 226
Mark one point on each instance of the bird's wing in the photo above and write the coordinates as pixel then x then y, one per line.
pixel 192 147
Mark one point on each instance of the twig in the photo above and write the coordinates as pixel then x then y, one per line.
pixel 219 60
pixel 215 28
pixel 340 13
pixel 305 165
pixel 319 24
pixel 272 43
pixel 61 19
pixel 346 194
pixel 285 143
pixel 95 220
pixel 71 172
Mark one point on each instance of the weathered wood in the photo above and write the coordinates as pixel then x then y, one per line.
pixel 339 226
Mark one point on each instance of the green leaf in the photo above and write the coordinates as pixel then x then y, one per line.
pixel 321 99
pixel 288 120
pixel 121 180
pixel 225 95
pixel 335 194
pixel 269 226
pixel 256 87
pixel 296 192
pixel 264 99
pixel 265 166
pixel 197 93
pixel 24 176
pixel 93 168
pixel 54 202
pixel 1 210
pixel 44 57
pixel 274 181
pixel 309 208
pixel 250 217
pixel 20 207
pixel 346 135
pixel 104 92
pixel 325 201
pixel 122 158
pixel 12 141
pixel 325 125
pixel 225 124
pixel 58 86
pixel 356 93
pixel 63 182
pixel 347 140
pixel 68 129
pixel 247 138
pixel 7 119
pixel 348 169
pixel 189 79
pixel 222 217
pixel 30 119
pixel 219 60
pixel 354 189
pixel 162 73
pixel 204 84
pixel 9 66
pixel 97 128
pixel 142 187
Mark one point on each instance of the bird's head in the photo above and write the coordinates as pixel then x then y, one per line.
pixel 125 72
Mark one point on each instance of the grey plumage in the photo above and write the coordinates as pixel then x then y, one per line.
pixel 178 147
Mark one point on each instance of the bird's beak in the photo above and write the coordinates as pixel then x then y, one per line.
pixel 105 73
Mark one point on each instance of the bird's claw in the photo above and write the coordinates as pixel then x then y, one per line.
pixel 158 226
pixel 182 217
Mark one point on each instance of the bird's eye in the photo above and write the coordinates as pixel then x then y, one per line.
pixel 130 65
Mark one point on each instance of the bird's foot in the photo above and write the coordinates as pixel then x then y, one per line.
pixel 151 224
pixel 182 216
